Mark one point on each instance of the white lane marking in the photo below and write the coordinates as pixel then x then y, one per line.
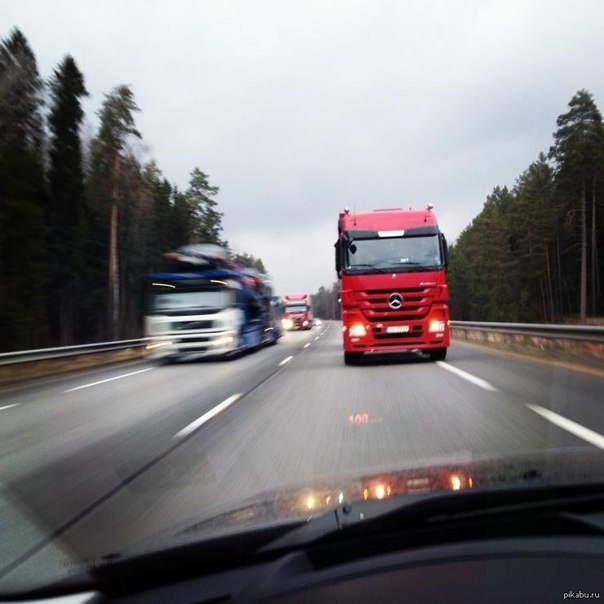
pixel 306 345
pixel 117 377
pixel 285 360
pixel 570 426
pixel 200 421
pixel 317 338
pixel 467 376
pixel 9 406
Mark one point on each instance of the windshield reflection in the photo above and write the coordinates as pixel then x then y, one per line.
pixel 178 300
pixel 394 252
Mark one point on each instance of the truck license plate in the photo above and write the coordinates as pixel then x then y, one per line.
pixel 397 329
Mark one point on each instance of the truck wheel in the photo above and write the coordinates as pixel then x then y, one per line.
pixel 437 354
pixel 353 358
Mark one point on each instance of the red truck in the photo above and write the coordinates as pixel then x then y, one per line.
pixel 297 312
pixel 392 265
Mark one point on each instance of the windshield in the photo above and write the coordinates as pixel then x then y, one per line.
pixel 295 308
pixel 182 300
pixel 263 259
pixel 394 253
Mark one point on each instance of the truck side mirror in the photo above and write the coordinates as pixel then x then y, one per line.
pixel 338 247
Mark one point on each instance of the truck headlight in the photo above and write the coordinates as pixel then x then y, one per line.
pixel 223 342
pixel 158 344
pixel 436 325
pixel 225 324
pixel 159 327
pixel 287 323
pixel 305 323
pixel 357 330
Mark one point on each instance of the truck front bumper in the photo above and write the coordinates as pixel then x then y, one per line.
pixel 202 344
pixel 295 324
pixel 369 338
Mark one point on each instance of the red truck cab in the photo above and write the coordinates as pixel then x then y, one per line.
pixel 297 312
pixel 392 265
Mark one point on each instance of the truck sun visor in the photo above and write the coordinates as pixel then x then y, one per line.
pixel 410 232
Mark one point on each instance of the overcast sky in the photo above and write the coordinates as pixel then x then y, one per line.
pixel 298 108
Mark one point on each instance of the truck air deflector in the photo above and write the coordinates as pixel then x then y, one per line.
pixel 421 231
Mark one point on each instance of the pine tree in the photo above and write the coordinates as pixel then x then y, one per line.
pixel 482 264
pixel 579 154
pixel 534 238
pixel 117 127
pixel 23 240
pixel 182 223
pixel 459 280
pixel 200 196
pixel 21 126
pixel 67 207
pixel 135 243
pixel 161 237
pixel 250 261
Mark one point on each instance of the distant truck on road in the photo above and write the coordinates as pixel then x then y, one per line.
pixel 297 312
pixel 392 265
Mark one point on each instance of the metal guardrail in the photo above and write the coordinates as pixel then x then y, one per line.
pixel 586 333
pixel 46 354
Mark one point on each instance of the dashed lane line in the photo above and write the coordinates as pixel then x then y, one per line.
pixel 570 426
pixel 117 377
pixel 285 360
pixel 468 376
pixel 200 421
pixel 9 406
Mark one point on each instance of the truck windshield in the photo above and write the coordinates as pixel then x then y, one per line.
pixel 398 253
pixel 295 308
pixel 175 300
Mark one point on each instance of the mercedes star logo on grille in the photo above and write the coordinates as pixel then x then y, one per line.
pixel 395 301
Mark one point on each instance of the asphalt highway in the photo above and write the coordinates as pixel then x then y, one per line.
pixel 95 462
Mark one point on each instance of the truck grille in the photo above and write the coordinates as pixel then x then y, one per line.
pixel 198 340
pixel 416 303
pixel 192 325
pixel 398 336
pixel 415 333
pixel 193 344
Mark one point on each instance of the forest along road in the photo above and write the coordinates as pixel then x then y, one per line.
pixel 101 460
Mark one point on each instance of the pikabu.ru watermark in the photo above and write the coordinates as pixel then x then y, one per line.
pixel 581 595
